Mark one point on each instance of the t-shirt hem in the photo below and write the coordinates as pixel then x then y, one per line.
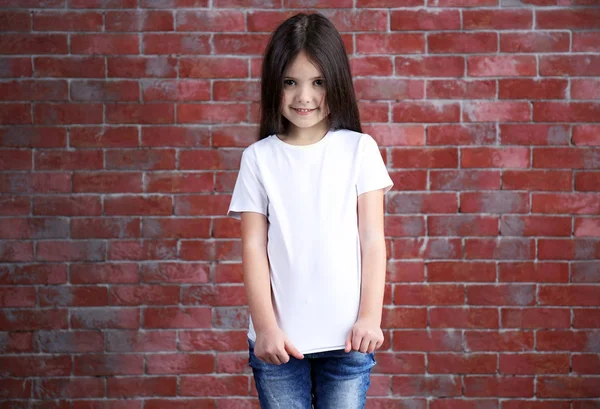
pixel 386 188
pixel 237 213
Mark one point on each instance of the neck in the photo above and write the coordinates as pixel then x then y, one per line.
pixel 306 136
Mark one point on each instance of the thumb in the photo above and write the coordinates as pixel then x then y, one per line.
pixel 349 342
pixel 291 349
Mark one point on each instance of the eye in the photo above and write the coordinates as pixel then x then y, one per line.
pixel 289 82
pixel 319 83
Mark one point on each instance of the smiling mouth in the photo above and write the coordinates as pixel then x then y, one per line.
pixel 303 110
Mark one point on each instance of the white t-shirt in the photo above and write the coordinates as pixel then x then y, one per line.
pixel 309 194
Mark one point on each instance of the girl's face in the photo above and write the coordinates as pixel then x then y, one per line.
pixel 303 99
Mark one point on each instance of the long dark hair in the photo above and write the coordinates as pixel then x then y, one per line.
pixel 323 45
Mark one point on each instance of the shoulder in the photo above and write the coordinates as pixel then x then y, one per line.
pixel 357 140
pixel 256 148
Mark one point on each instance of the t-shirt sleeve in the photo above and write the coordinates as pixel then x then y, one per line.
pixel 248 193
pixel 372 173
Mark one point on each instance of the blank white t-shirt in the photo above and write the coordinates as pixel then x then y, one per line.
pixel 309 194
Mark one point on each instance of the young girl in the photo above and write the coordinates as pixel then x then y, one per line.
pixel 310 196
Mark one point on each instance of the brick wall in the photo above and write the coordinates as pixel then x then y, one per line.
pixel 121 128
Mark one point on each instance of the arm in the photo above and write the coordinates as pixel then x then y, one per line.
pixel 366 334
pixel 271 345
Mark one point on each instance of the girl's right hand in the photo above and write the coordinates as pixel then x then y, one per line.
pixel 273 347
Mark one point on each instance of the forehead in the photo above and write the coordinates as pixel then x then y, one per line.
pixel 302 67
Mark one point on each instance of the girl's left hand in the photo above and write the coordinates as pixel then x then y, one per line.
pixel 365 336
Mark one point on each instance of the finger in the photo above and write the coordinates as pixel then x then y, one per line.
pixel 274 359
pixel 348 346
pixel 356 340
pixel 283 357
pixel 364 345
pixel 292 350
pixel 378 344
pixel 372 347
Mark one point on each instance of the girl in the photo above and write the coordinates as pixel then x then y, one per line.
pixel 310 196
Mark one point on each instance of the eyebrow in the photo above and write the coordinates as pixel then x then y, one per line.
pixel 313 78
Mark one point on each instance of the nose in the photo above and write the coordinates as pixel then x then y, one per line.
pixel 303 95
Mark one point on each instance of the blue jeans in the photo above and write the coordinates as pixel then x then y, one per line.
pixel 329 380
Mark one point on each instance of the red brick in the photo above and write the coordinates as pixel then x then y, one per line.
pixel 100 4
pixel 411 271
pixel 15 114
pixel 266 21
pixel 531 363
pixel 463 318
pixel 566 203
pixel 535 226
pixel 129 387
pixel 497 19
pixel 535 317
pixel 434 248
pixel 211 250
pixel 104 273
pixel 178 364
pixel 463 43
pixel 535 42
pixel 73 296
pixel 432 385
pixel 104 137
pixel 318 3
pixel 463 3
pixel 145 250
pixel 439 271
pixel 33 137
pixel 17 297
pixel 67 206
pixel 180 227
pixel 462 225
pixel 545 180
pixel 66 113
pixel 568 18
pixel 70 67
pixel 69 388
pixel 143 20
pixel 501 294
pixel 494 202
pixel 212 340
pixel 175 272
pixel 566 112
pixel 465 179
pixel 587 181
pixel 104 91
pixel 585 89
pixel 409 179
pixel 15 67
pixel 15 159
pixel 236 91
pixel 34 90
pixel 424 158
pixel 219 295
pixel 380 66
pixel 376 112
pixel 171 43
pixel 212 67
pixel 502 386
pixel 132 205
pixel 147 341
pixel 426 112
pixel 465 134
pixel 211 113
pixel 209 385
pixel 509 157
pixel 427 340
pixel 534 134
pixel 462 364
pixel 107 182
pixel 158 113
pixel 29 43
pixel 587 227
pixel 69 160
pixel 108 365
pixel 174 90
pixel 571 65
pixel 142 159
pixel 492 111
pixel 240 44
pixel 570 295
pixel 566 340
pixel 388 88
pixel 46 274
pixel 461 89
pixel 529 271
pixel 15 205
pixel 567 387
pixel 182 404
pixel 67 21
pixel 394 43
pixel 17 20
pixel 532 89
pixel 423 203
pixel 177 317
pixel 54 250
pixel 146 67
pixel 131 295
pixel 586 41
pixel 514 341
pixel 422 19
pixel 38 182
pixel 430 66
pixel 105 44
pixel 33 320
pixel 500 249
pixel 586 364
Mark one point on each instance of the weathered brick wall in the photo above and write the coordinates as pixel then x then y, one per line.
pixel 121 128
